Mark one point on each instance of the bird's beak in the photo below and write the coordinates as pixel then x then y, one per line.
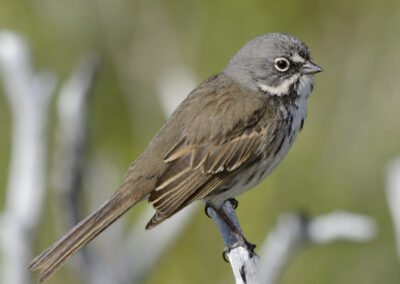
pixel 310 68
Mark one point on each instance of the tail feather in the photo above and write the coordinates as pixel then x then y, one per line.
pixel 52 259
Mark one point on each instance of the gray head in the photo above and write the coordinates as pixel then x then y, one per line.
pixel 274 63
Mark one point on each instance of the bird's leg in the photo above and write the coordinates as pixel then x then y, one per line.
pixel 241 240
pixel 232 201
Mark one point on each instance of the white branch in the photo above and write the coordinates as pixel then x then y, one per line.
pixel 28 95
pixel 341 225
pixel 72 132
pixel 393 197
pixel 72 106
pixel 280 246
pixel 294 231
pixel 244 265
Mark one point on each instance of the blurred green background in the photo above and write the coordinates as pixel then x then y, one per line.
pixel 338 161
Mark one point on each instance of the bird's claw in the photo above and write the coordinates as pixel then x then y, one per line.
pixel 233 202
pixel 242 242
pixel 206 210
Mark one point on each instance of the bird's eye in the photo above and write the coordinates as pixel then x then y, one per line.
pixel 282 64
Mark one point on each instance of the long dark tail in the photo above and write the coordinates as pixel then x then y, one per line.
pixel 51 259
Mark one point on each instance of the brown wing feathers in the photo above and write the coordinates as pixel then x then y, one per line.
pixel 193 172
pixel 201 161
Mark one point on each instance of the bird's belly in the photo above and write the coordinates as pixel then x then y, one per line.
pixel 253 176
pixel 249 178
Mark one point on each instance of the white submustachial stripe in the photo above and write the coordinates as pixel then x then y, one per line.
pixel 281 89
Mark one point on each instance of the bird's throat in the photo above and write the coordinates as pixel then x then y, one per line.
pixel 301 84
pixel 282 89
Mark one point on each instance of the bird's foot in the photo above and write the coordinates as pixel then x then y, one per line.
pixel 234 203
pixel 242 242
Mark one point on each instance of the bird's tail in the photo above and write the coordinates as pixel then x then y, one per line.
pixel 51 259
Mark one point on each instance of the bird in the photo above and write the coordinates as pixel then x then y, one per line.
pixel 226 136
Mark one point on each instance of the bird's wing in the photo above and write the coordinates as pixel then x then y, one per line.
pixel 201 161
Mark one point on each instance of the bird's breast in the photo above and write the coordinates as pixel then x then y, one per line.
pixel 271 154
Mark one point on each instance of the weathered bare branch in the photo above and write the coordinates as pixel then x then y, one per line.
pixel 293 232
pixel 72 132
pixel 28 94
pixel 244 265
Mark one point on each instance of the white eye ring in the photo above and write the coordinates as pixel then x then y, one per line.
pixel 282 64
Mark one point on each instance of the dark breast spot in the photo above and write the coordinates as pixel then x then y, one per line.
pixel 250 177
pixel 290 124
pixel 302 124
pixel 261 173
pixel 280 146
pixel 291 138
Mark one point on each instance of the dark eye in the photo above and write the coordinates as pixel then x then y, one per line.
pixel 282 64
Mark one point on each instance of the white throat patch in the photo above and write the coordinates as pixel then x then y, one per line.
pixel 281 89
pixel 304 86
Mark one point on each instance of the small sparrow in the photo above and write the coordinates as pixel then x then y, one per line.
pixel 223 139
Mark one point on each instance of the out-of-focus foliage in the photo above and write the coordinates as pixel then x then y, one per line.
pixel 338 160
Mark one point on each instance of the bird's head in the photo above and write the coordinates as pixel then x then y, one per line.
pixel 275 63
